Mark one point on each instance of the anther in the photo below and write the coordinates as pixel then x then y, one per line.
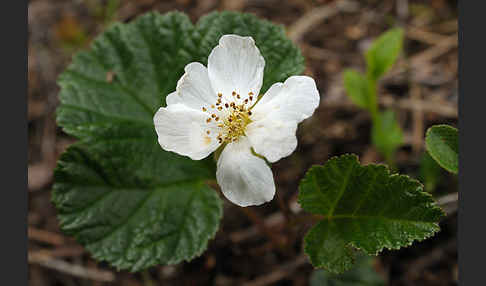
pixel 212 105
pixel 220 94
pixel 249 112
pixel 204 109
pixel 233 93
pixel 208 120
pixel 226 105
pixel 220 108
pixel 213 115
pixel 250 93
pixel 217 118
pixel 207 132
pixel 246 101
pixel 238 96
pixel 251 97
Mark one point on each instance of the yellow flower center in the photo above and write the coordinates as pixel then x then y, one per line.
pixel 237 117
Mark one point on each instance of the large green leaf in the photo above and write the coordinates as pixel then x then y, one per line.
pixel 361 274
pixel 125 199
pixel 442 143
pixel 134 206
pixel 356 86
pixel 365 207
pixel 383 53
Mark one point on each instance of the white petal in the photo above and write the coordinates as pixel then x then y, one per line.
pixel 173 98
pixel 272 138
pixel 236 65
pixel 244 178
pixel 183 130
pixel 294 100
pixel 193 88
pixel 276 115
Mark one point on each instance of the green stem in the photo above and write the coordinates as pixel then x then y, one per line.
pixel 373 102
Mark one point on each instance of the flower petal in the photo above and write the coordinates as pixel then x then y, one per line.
pixel 294 100
pixel 193 88
pixel 245 179
pixel 272 138
pixel 184 131
pixel 173 98
pixel 276 115
pixel 236 65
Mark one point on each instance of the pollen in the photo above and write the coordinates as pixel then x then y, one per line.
pixel 231 122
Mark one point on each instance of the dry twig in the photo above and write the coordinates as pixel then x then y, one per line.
pixel 283 271
pixel 45 236
pixel 298 29
pixel 72 269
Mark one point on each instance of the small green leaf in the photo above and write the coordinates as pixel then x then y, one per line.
pixel 442 143
pixel 429 172
pixel 124 198
pixel 356 86
pixel 386 133
pixel 384 52
pixel 361 274
pixel 364 207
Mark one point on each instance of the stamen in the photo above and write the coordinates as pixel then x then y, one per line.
pixel 220 94
pixel 213 115
pixel 208 120
pixel 204 109
pixel 220 108
pixel 212 105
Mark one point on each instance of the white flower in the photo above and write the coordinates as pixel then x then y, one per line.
pixel 219 106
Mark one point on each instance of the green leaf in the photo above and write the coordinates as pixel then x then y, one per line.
pixel 384 52
pixel 124 198
pixel 429 172
pixel 356 86
pixel 134 206
pixel 365 207
pixel 386 133
pixel 361 274
pixel 442 143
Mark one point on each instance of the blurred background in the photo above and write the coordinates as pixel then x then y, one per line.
pixel 263 245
